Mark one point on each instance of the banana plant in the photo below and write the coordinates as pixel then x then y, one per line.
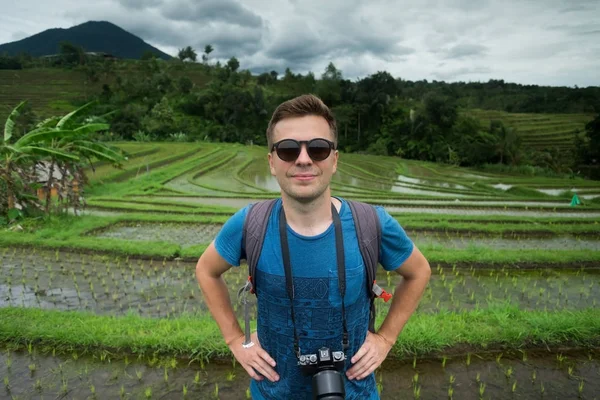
pixel 58 142
pixel 73 139
pixel 15 160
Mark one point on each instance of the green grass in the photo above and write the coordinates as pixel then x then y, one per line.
pixel 480 255
pixel 474 255
pixel 157 206
pixel 93 244
pixel 496 327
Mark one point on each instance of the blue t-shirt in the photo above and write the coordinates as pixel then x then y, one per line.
pixel 317 301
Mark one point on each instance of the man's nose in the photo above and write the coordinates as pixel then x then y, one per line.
pixel 303 157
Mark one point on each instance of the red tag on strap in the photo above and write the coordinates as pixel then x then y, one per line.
pixel 386 296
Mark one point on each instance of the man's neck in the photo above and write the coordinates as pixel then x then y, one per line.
pixel 310 219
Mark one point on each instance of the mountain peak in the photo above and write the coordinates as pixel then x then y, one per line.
pixel 93 36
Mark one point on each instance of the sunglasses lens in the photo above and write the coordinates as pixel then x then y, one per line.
pixel 288 150
pixel 319 150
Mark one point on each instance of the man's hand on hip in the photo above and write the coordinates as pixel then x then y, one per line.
pixel 370 356
pixel 254 359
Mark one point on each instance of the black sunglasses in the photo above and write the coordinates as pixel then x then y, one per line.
pixel 289 149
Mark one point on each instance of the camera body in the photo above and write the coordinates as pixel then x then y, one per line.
pixel 325 359
pixel 325 367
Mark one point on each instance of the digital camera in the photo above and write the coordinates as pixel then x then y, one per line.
pixel 325 367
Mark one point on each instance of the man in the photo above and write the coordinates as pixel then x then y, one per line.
pixel 302 139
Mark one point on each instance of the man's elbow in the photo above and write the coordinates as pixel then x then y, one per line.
pixel 425 270
pixel 199 270
pixel 210 265
pixel 202 271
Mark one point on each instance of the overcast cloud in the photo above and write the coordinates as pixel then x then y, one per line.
pixel 545 42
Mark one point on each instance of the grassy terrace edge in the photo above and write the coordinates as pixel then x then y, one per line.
pixel 198 337
pixel 480 256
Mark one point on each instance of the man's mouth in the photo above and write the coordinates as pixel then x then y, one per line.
pixel 303 177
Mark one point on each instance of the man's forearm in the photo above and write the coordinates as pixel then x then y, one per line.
pixel 405 301
pixel 218 302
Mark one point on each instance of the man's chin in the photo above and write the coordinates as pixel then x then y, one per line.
pixel 305 196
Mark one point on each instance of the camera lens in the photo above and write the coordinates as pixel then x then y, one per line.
pixel 328 385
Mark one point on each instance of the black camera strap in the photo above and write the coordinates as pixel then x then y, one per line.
pixel 339 246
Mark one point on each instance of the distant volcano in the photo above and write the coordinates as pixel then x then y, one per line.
pixel 93 36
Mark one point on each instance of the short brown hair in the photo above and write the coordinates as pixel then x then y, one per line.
pixel 307 104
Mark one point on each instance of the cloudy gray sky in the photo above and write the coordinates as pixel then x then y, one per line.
pixel 544 42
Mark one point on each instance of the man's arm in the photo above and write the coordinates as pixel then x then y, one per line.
pixel 254 359
pixel 415 272
pixel 209 269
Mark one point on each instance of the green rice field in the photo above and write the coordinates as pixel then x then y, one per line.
pixel 105 304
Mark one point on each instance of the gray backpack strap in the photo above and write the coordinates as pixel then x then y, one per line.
pixel 368 233
pixel 253 235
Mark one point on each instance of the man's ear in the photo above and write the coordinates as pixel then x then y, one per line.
pixel 271 167
pixel 335 160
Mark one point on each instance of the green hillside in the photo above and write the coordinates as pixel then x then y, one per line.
pixel 52 91
pixel 539 130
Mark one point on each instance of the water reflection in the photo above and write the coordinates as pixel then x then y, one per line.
pixel 268 182
pixel 501 186
pixel 409 190
pixel 351 180
pixel 416 181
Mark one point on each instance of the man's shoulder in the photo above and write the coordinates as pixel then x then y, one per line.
pixel 264 208
pixel 380 211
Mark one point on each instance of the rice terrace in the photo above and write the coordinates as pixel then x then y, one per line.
pixel 117 173
pixel 108 303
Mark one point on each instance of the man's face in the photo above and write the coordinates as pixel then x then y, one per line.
pixel 303 179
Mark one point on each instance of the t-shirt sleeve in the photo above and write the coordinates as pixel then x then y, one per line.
pixel 396 246
pixel 229 239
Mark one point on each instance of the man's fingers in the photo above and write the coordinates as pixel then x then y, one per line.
pixel 265 356
pixel 265 369
pixel 361 366
pixel 359 354
pixel 253 373
pixel 366 365
pixel 367 370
